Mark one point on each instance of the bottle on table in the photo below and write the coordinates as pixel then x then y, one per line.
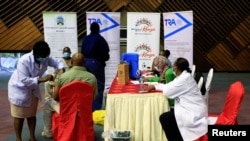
pixel 141 82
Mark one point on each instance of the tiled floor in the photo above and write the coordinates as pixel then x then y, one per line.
pixel 6 121
pixel 220 85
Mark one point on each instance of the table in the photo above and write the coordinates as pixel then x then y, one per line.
pixel 126 109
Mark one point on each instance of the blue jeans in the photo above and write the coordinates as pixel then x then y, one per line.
pixel 97 69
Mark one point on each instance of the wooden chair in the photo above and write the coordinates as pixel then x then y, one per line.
pixel 75 122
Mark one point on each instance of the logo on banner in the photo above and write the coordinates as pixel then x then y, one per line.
pixel 59 20
pixel 146 51
pixel 143 26
pixel 180 23
pixel 107 22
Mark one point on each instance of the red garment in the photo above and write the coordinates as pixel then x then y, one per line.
pixel 75 122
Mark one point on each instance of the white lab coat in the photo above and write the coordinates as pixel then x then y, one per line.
pixel 190 108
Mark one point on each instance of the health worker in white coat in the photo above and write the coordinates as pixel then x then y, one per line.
pixel 188 120
pixel 23 86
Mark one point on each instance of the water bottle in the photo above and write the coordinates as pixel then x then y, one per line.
pixel 141 79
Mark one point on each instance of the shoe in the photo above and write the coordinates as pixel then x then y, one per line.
pixel 46 136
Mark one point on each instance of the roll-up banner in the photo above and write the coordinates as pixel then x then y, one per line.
pixel 60 30
pixel 110 29
pixel 178 35
pixel 143 36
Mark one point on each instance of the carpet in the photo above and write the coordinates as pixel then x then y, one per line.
pixel 39 127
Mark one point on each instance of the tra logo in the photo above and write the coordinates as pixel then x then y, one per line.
pixel 170 22
pixel 106 22
pixel 180 23
pixel 91 20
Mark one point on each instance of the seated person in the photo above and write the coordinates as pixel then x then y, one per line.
pixel 66 59
pixel 166 76
pixel 158 65
pixel 161 65
pixel 189 118
pixel 77 72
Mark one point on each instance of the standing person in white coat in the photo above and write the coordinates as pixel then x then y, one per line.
pixel 188 120
pixel 23 86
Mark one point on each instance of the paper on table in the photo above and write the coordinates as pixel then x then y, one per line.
pixel 151 83
pixel 148 75
pixel 135 81
pixel 143 91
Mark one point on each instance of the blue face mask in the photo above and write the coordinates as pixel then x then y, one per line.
pixel 41 60
pixel 66 54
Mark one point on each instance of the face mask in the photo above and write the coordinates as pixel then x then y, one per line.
pixel 41 60
pixel 156 68
pixel 66 55
pixel 174 73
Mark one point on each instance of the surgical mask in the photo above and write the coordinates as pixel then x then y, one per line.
pixel 66 54
pixel 41 60
pixel 156 68
pixel 174 73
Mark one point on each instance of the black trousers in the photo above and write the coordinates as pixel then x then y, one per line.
pixel 169 125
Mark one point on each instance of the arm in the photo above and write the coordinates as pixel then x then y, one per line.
pixel 174 88
pixel 28 74
pixel 106 50
pixel 55 94
pixel 48 77
pixel 57 64
pixel 150 88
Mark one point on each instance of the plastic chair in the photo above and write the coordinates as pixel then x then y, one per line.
pixel 200 82
pixel 229 114
pixel 208 83
pixel 193 70
pixel 75 121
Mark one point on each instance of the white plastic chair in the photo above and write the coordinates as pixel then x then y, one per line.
pixel 200 82
pixel 208 83
pixel 193 70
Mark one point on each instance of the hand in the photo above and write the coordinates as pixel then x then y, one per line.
pixel 150 88
pixel 163 81
pixel 49 77
pixel 61 71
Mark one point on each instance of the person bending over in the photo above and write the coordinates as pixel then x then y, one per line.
pixel 23 86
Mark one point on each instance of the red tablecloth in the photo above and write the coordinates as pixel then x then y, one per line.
pixel 131 88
